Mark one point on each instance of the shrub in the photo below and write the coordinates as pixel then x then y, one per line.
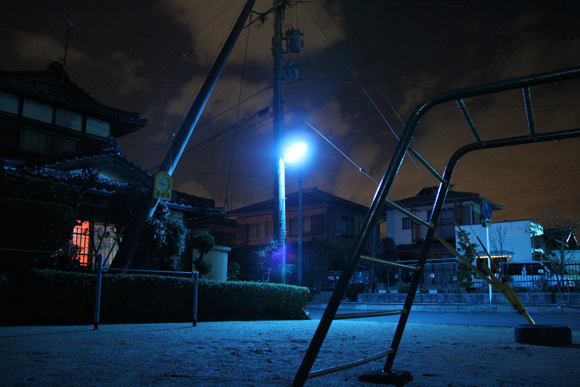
pixel 353 290
pixel 403 287
pixel 53 297
pixel 203 242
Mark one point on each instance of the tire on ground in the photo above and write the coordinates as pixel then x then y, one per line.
pixel 543 334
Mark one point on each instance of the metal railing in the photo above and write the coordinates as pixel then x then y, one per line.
pixel 99 273
pixel 538 276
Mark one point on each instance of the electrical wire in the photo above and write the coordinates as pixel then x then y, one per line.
pixel 365 91
pixel 237 117
pixel 362 170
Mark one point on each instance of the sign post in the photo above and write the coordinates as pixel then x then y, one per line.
pixel 487 213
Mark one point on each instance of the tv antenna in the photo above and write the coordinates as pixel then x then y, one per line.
pixel 71 24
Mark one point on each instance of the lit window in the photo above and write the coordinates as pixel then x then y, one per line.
pixel 8 103
pixel 103 242
pixel 37 111
pixel 69 120
pixel 98 127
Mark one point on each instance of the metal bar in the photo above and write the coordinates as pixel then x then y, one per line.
pixel 148 271
pixel 462 259
pixel 182 137
pixel 437 207
pixel 407 212
pixel 529 112
pixel 347 316
pixel 469 121
pixel 389 263
pixel 368 225
pixel 383 190
pixel 195 281
pixel 99 267
pixel 348 365
pixel 505 288
pixel 30 251
pixel 425 163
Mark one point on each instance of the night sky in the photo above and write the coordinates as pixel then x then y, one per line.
pixel 362 61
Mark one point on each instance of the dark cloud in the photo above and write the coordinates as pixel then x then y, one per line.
pixel 360 60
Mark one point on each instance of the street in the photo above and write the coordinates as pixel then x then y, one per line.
pixel 470 318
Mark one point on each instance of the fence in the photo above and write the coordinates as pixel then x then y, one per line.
pixel 441 274
pixel 99 270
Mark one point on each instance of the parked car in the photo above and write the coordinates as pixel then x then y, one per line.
pixel 527 273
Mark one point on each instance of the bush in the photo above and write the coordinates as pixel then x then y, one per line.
pixel 403 287
pixel 353 290
pixel 62 298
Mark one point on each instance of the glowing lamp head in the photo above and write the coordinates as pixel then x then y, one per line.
pixel 296 152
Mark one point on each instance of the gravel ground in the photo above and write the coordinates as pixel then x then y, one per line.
pixel 268 353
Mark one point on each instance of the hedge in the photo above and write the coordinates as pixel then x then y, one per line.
pixel 48 297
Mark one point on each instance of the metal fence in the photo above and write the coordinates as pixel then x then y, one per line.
pixel 441 274
pixel 99 273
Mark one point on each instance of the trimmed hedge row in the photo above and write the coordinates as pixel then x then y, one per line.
pixel 47 297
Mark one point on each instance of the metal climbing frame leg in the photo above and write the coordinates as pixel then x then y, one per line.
pixel 380 199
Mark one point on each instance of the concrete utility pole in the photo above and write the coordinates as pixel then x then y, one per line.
pixel 278 115
pixel 146 206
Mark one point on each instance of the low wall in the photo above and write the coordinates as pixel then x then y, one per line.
pixel 472 298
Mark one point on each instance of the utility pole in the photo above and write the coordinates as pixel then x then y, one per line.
pixel 278 115
pixel 147 204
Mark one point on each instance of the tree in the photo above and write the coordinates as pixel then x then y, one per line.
pixel 464 273
pixel 162 243
pixel 121 211
pixel 499 240
pixel 265 258
pixel 203 242
pixel 557 241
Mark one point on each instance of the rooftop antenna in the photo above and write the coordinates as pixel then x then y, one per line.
pixel 71 24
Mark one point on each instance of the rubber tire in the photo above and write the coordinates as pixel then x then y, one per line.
pixel 543 334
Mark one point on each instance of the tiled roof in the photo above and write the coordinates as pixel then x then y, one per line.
pixel 427 196
pixel 105 187
pixel 67 168
pixel 55 86
pixel 311 197
pixel 97 157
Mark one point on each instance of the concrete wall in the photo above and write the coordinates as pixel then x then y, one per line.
pixel 472 298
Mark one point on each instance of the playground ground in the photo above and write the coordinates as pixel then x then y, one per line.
pixel 268 353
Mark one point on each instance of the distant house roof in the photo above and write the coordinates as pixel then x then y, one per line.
pixel 311 197
pixel 54 86
pixel 427 196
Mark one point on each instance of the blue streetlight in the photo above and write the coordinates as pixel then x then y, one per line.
pixel 294 154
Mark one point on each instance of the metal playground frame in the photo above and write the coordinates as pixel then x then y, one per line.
pixel 380 199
